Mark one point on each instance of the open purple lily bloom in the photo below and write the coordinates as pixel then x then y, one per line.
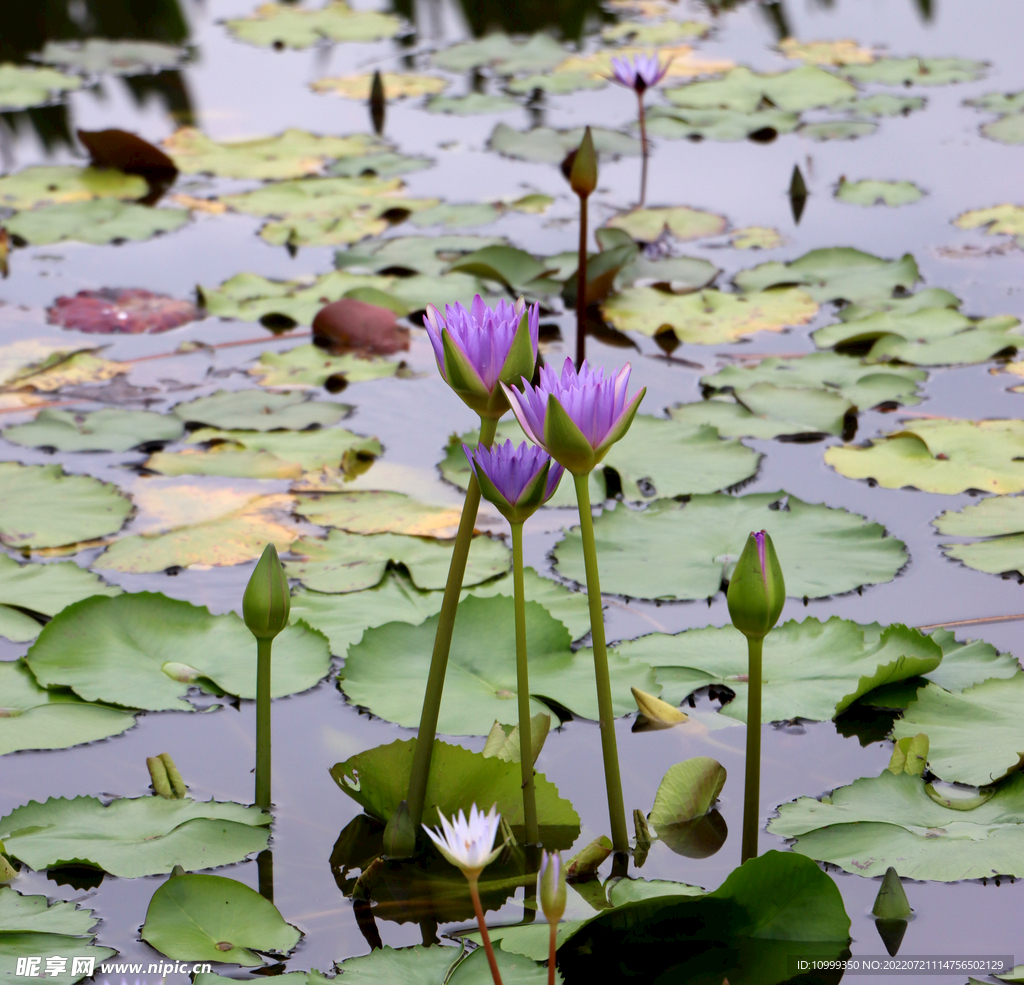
pixel 644 72
pixel 478 348
pixel 517 479
pixel 576 416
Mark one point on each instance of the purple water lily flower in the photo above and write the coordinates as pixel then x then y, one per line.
pixel 575 416
pixel 644 72
pixel 515 478
pixel 478 348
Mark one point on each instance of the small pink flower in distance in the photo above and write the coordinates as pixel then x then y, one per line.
pixel 643 72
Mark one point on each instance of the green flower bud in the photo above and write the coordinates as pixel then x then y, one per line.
pixel 757 590
pixel 583 176
pixel 266 603
pixel 551 886
pixel 400 835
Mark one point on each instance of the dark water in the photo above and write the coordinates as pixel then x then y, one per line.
pixel 233 91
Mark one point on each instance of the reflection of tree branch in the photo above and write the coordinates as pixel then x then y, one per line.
pixel 170 88
pixel 523 16
pixel 776 15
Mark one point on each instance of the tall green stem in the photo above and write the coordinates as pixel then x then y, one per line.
pixel 752 783
pixel 523 688
pixel 474 892
pixel 581 288
pixel 643 151
pixel 443 641
pixel 263 723
pixel 616 811
pixel 552 950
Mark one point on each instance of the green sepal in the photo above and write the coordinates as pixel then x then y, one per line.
pixel 620 427
pixel 463 378
pixel 756 597
pixel 565 441
pixel 520 362
pixel 267 601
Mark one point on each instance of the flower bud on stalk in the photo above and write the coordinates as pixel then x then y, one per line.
pixel 552 891
pixel 757 590
pixel 266 603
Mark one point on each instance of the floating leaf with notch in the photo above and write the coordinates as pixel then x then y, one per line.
pixel 98 430
pixel 870 192
pixel 53 184
pixel 282 25
pixel 22 86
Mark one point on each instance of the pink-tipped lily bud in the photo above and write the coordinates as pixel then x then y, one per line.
pixel 757 591
pixel 551 886
pixel 480 348
pixel 583 173
pixel 642 73
pixel 575 417
pixel 516 479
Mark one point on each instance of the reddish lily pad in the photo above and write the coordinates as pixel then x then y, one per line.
pixel 121 311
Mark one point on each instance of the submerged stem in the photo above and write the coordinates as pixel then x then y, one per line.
pixel 263 723
pixel 581 288
pixel 474 892
pixel 616 811
pixel 523 689
pixel 752 780
pixel 443 641
pixel 643 151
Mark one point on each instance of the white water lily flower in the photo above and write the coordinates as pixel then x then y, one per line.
pixel 468 844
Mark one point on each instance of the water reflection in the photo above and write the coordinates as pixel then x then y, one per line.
pixel 569 17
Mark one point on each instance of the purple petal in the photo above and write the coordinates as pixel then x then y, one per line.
pixel 511 468
pixel 759 537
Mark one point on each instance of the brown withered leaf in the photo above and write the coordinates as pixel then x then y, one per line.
pixel 349 325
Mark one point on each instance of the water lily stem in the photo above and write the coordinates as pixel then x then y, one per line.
pixel 263 723
pixel 443 640
pixel 474 892
pixel 752 783
pixel 581 288
pixel 643 152
pixel 616 811
pixel 552 948
pixel 523 689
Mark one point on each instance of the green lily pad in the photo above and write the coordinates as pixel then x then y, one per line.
pixel 144 650
pixel 838 130
pixel 742 90
pixel 708 317
pixel 386 164
pixel 98 222
pixel 133 837
pixel 655 35
pixel 44 589
pixel 556 83
pixel 747 930
pixel 351 562
pixel 883 104
pixel 679 273
pixel 863 326
pixel 308 366
pixel 430 255
pixel 1000 220
pixel 472 104
pixel 546 146
pixel 364 196
pixel 14 946
pixel 225 531
pixel 258 410
pixel 999 102
pixel 940 456
pixel 377 512
pixel 661 458
pixel 1000 518
pixel 862 385
pixel 835 273
pixel 343 619
pixel 288 155
pixel 457 216
pixel 192 917
pixel 916 71
pixel 646 225
pixel 689 789
pixel 98 430
pixel 98 55
pixel 397 85
pixel 974 735
pixel 812 669
pixel 53 184
pixel 888 820
pixel 35 511
pixel 378 780
pixel 480 686
pixel 421 965
pixel 768 411
pixel 509 266
pixel 266 454
pixel 756 238
pixel 676 550
pixel 35 718
pixel 891 193
pixel 22 86
pixel 503 55
pixel 32 914
pixel 1007 129
pixel 719 124
pixel 282 25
